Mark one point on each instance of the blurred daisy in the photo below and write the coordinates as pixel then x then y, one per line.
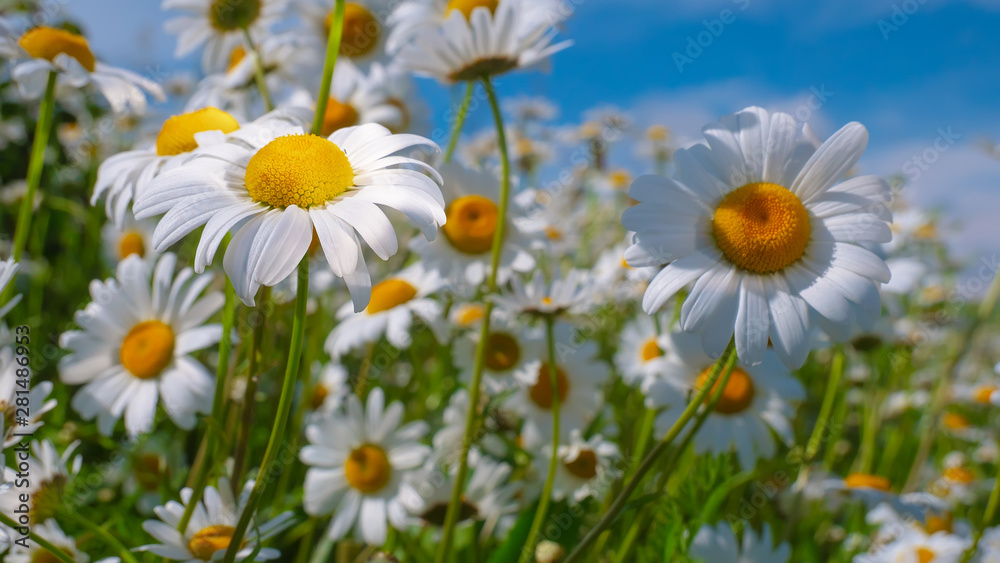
pixel 586 468
pixel 642 349
pixel 618 281
pixel 476 39
pixel 957 485
pixel 44 50
pixel 463 254
pixel 364 32
pixel 11 395
pixel 220 26
pixel 559 218
pixel 8 269
pixel 331 390
pixel 466 316
pixel 872 490
pixel 358 460
pixel 569 294
pixel 49 479
pixel 448 440
pixel 355 100
pixel 766 235
pixel 755 401
pixel 914 544
pixel 509 347
pixel 989 546
pixel 579 377
pixel 135 346
pixel 211 527
pixel 719 543
pixel 527 109
pixel 31 552
pixel 132 238
pixel 283 186
pixel 394 304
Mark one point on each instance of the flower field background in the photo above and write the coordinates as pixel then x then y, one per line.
pixel 273 314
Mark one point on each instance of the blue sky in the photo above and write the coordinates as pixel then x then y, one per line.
pixel 906 69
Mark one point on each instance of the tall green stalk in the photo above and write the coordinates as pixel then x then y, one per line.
pixel 456 130
pixel 332 49
pixel 43 128
pixel 451 517
pixel 281 416
pixel 258 72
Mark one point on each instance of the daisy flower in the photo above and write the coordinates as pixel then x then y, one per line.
pixel 395 302
pixel 558 217
pixel 989 546
pixel 44 50
pixel 355 100
pixel 358 460
pixel 465 316
pixel 579 376
pixel 132 237
pixel 280 186
pixel 463 254
pixel 755 401
pixel 509 347
pixel 872 490
pixel 9 395
pixel 220 25
pixel 331 390
pixel 719 543
pixel 766 235
pixel 31 552
pixel 8 269
pixel 616 279
pixel 211 527
pixel 456 41
pixel 586 468
pixel 364 32
pixel 136 345
pixel 914 544
pixel 448 440
pixel 50 477
pixel 642 350
pixel 570 294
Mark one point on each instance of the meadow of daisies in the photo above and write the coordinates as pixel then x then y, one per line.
pixel 284 324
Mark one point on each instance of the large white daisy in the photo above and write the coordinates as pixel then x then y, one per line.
pixel 358 460
pixel 136 343
pixel 757 221
pixel 219 25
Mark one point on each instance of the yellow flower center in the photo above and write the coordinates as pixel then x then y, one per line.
pixel 47 42
pixel 984 393
pixel 541 391
pixel 959 475
pixel 469 314
pixel 943 523
pixel 466 6
pixel 131 243
pixel 472 220
pixel 657 133
pixel 761 227
pixel 925 231
pixel 737 395
pixel 502 351
pixel 361 30
pixel 619 179
pixel 925 555
pixel 338 116
pixel 150 471
pixel 319 396
pixel 209 540
pixel 954 421
pixel 367 469
pixel 177 134
pixel 233 15
pixel 650 350
pixel 302 170
pixel 147 349
pixel 390 293
pixel 236 57
pixel 584 466
pixel 553 233
pixel 867 481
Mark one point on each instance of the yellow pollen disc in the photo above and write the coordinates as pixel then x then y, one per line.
pixel 983 393
pixel 361 30
pixel 942 523
pixel 47 42
pixel 925 555
pixel 147 349
pixel 236 57
pixel 472 220
pixel 620 179
pixel 584 466
pixel 926 231
pixel 553 233
pixel 867 481
pixel 367 469
pixel 469 314
pixel 651 350
pixel 390 293
pixel 302 170
pixel 131 243
pixel 761 227
pixel 233 15
pixel 546 300
pixel 338 116
pixel 318 396
pixel 177 134
pixel 541 391
pixel 209 540
pixel 502 351
pixel 959 475
pixel 954 421
pixel 466 6
pixel 736 397
pixel 657 133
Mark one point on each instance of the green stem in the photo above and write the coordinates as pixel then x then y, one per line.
pixel 456 130
pixel 332 49
pixel 241 449
pixel 42 542
pixel 108 538
pixel 829 397
pixel 281 416
pixel 451 517
pixel 619 504
pixel 35 164
pixel 258 72
pixel 543 505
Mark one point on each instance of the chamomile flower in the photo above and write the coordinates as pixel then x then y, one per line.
pixel 44 50
pixel 509 347
pixel 31 552
pixel 914 545
pixel 586 468
pixel 211 527
pixel 220 26
pixel 465 316
pixel 463 254
pixel 537 297
pixel 755 401
pixel 642 350
pixel 331 390
pixel 719 543
pixel 618 281
pixel 355 100
pixel 50 475
pixel 448 440
pixel 362 42
pixel 767 236
pixel 11 393
pixel 357 461
pixel 579 376
pixel 395 303
pixel 135 346
pixel 132 238
pixel 872 490
pixel 8 269
pixel 476 38
pixel 281 187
